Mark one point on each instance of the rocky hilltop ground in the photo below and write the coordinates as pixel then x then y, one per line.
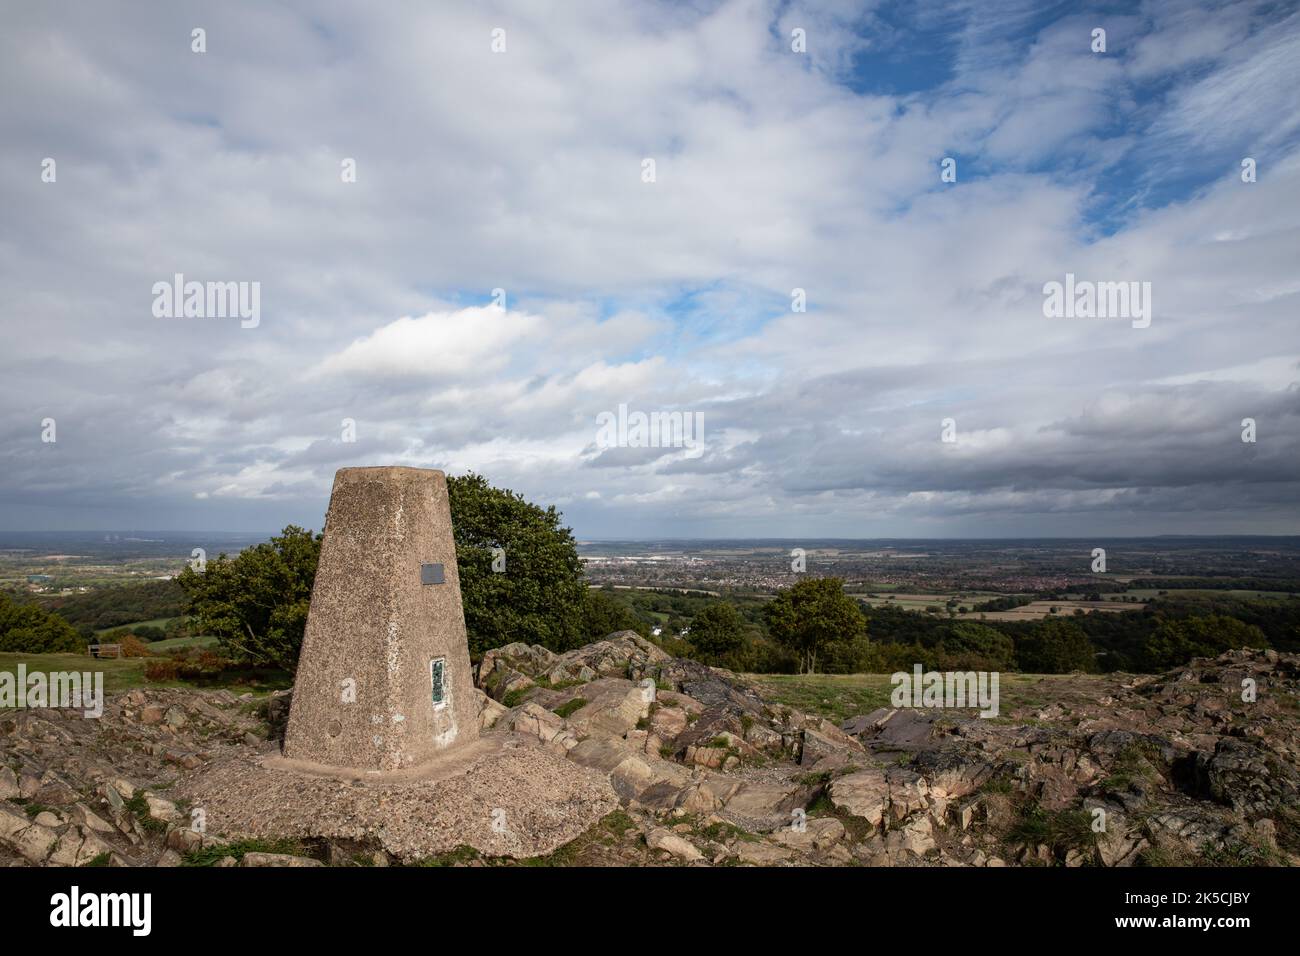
pixel 622 755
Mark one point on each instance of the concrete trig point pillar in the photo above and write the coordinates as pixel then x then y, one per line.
pixel 383 680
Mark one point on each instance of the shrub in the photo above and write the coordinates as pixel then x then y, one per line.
pixel 162 670
pixel 132 646
pixel 29 629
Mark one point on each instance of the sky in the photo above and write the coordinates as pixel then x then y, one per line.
pixel 464 260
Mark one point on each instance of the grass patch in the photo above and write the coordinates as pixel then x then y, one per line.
pixel 513 698
pixel 840 696
pixel 139 808
pixel 457 857
pixel 1060 830
pixel 127 673
pixel 569 708
pixel 211 855
pixel 1240 853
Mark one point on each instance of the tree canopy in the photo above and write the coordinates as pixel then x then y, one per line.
pixel 256 603
pixel 29 629
pixel 540 595
pixel 1177 641
pixel 816 619
pixel 718 633
pixel 1056 646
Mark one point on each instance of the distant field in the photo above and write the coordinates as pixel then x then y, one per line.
pixel 1204 592
pixel 840 696
pixel 155 622
pixel 1038 610
pixel 919 602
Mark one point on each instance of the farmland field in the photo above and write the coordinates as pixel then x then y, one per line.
pixel 1037 610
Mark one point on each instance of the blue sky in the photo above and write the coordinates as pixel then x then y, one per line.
pixel 776 171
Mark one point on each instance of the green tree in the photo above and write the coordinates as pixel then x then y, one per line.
pixel 1056 646
pixel 967 645
pixel 717 633
pixel 602 615
pixel 540 596
pixel 256 603
pixel 1177 641
pixel 813 615
pixel 29 629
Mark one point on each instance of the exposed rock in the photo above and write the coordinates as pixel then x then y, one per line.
pixel 762 853
pixel 827 744
pixel 916 836
pixel 613 707
pixel 669 842
pixel 631 772
pixel 761 806
pixel 30 840
pixel 1185 771
pixel 817 833
pixel 863 794
pixel 489 710
pixel 278 859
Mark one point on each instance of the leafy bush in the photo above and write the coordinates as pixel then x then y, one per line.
pixel 29 629
pixel 161 669
pixel 256 603
pixel 132 646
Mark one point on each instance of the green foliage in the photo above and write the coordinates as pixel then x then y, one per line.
pixel 967 645
pixel 29 629
pixel 718 633
pixel 813 618
pixel 125 604
pixel 211 855
pixel 139 808
pixel 256 603
pixel 1056 646
pixel 571 707
pixel 602 615
pixel 540 598
pixel 1177 641
pixel 1060 830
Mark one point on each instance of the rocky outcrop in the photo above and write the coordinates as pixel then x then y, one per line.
pixel 1110 771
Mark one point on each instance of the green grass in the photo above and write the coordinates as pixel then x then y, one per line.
pixel 153 622
pixel 211 855
pixel 840 696
pixel 119 674
pixel 139 808
pixel 183 643
pixel 127 673
pixel 1061 830
pixel 835 696
pixel 569 708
